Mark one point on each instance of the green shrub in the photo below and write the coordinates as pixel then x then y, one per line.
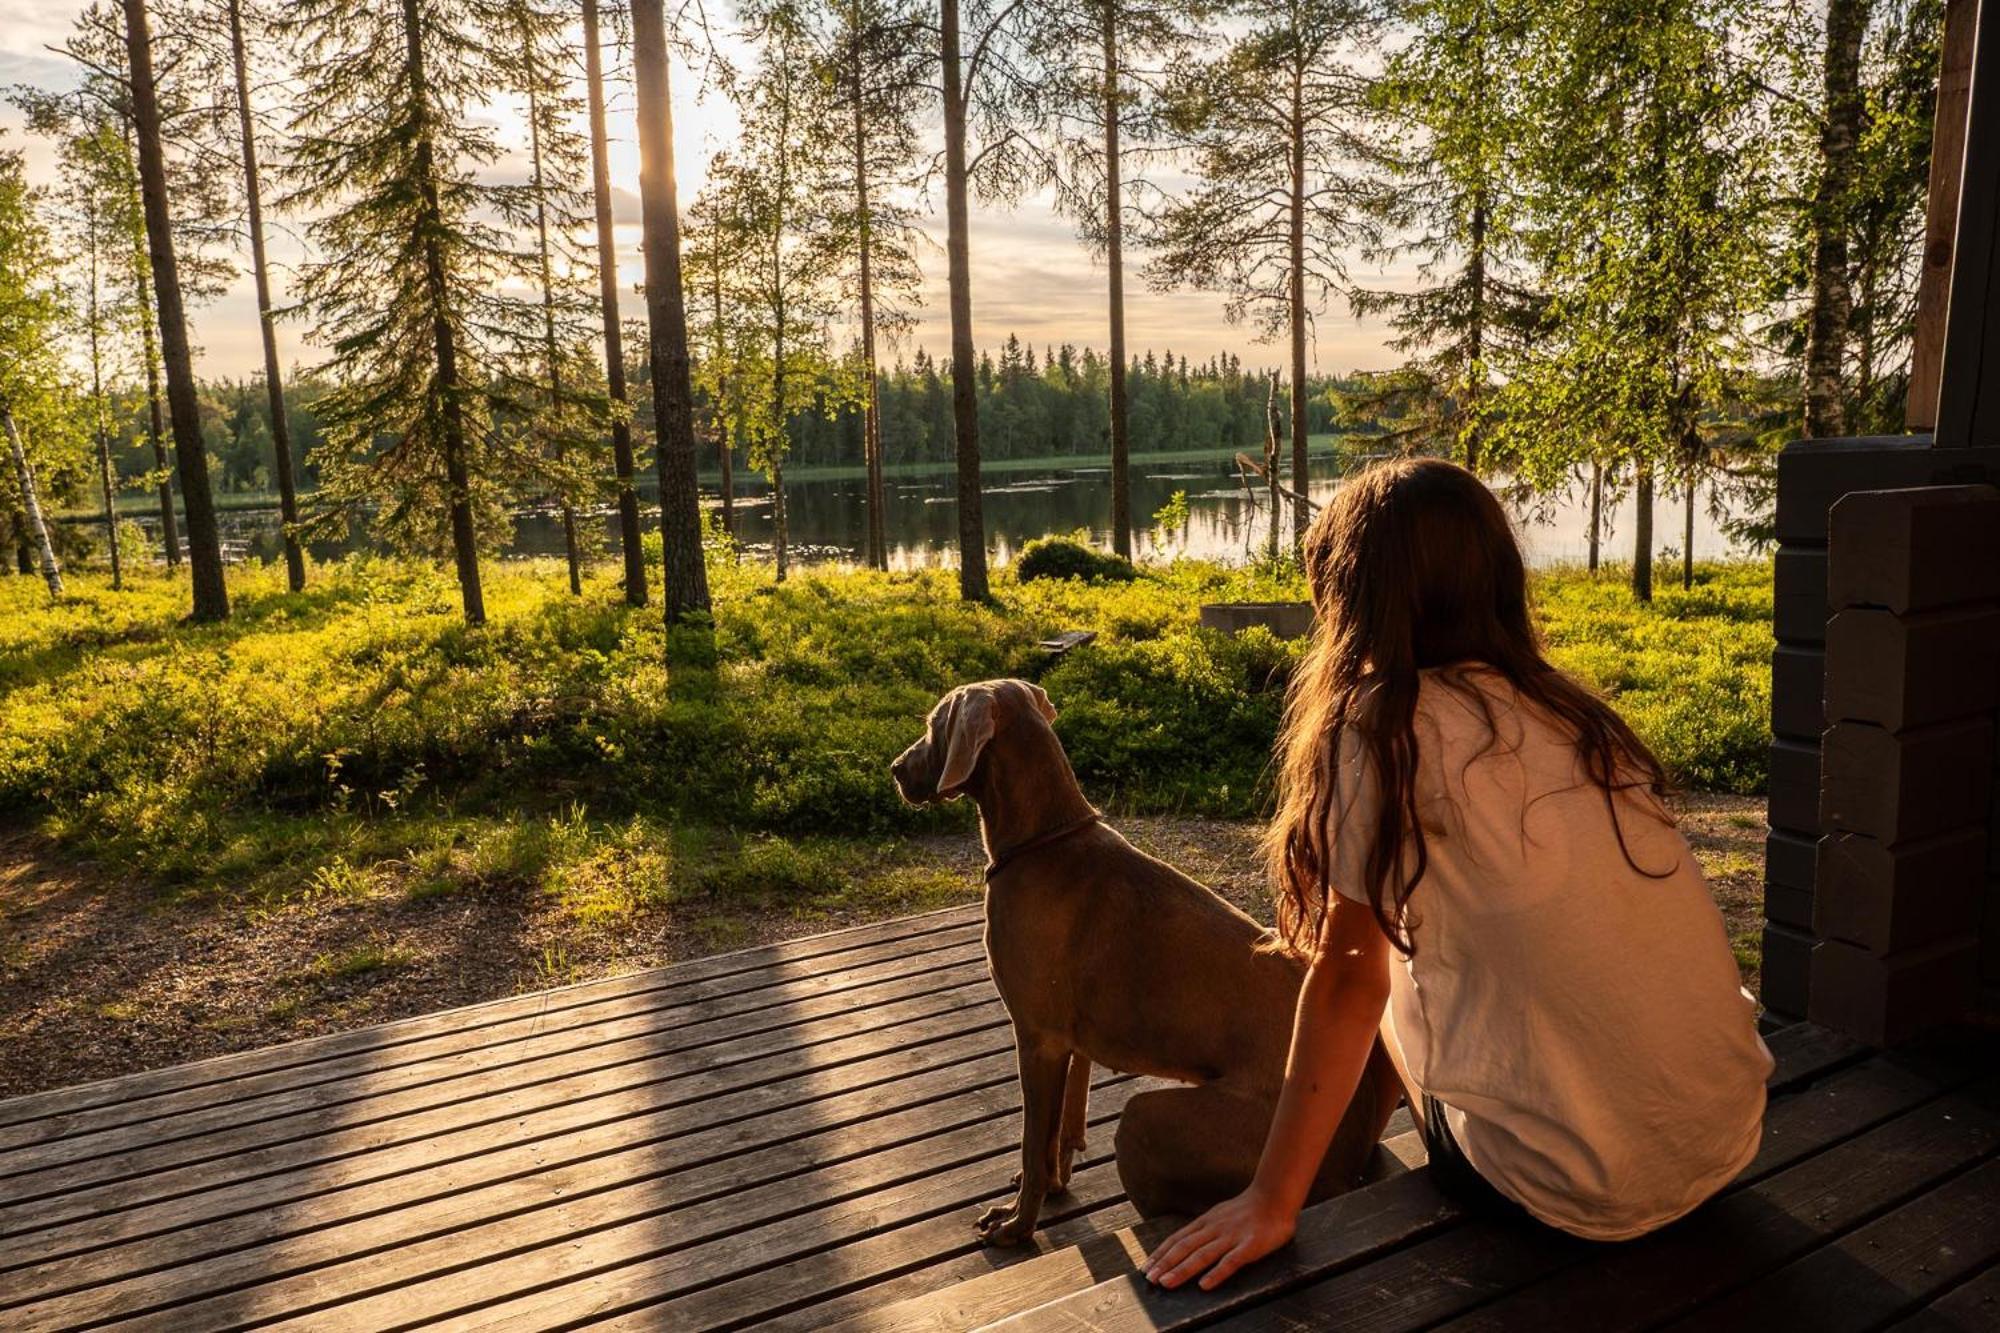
pixel 362 719
pixel 1071 558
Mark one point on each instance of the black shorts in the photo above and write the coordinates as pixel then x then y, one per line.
pixel 1456 1177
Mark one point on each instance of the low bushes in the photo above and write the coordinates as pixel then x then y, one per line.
pixel 337 719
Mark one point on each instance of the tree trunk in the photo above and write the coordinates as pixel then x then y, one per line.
pixel 156 421
pixel 724 443
pixel 1475 332
pixel 614 339
pixel 551 353
pixel 1687 534
pixel 1114 258
pixel 1642 534
pixel 1301 483
pixel 38 529
pixel 1832 300
pixel 274 386
pixel 99 432
pixel 464 538
pixel 972 583
pixel 156 435
pixel 871 405
pixel 211 597
pixel 1596 512
pixel 1273 428
pixel 686 578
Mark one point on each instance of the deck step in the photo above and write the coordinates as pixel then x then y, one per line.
pixel 1062 1271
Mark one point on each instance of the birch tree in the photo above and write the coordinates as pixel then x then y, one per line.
pixel 1285 180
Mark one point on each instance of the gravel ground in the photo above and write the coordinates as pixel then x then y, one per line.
pixel 98 977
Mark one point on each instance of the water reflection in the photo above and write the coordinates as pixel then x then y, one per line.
pixel 829 522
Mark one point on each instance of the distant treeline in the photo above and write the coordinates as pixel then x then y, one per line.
pixel 1046 403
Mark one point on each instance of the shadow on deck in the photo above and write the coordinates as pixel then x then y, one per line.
pixel 800 1136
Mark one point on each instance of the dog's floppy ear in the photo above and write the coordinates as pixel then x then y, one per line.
pixel 1040 697
pixel 971 726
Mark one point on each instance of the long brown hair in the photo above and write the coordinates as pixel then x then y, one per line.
pixel 1413 566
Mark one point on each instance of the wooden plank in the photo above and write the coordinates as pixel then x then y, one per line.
pixel 679 1079
pixel 1047 1276
pixel 1970 1307
pixel 1395 1218
pixel 1968 411
pixel 662 1293
pixel 1884 1270
pixel 420 1142
pixel 1941 213
pixel 448 1054
pixel 1737 1237
pixel 418 1266
pixel 951 1118
pixel 997 1295
pixel 685 1033
pixel 1095 1228
pixel 234 1258
pixel 772 963
pixel 676 1254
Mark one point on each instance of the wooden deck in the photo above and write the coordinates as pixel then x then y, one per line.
pixel 798 1136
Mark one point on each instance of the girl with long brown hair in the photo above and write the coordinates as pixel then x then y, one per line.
pixel 1473 854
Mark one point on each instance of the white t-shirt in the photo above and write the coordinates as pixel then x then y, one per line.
pixel 1583 1022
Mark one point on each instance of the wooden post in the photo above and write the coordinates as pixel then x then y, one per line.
pixel 1968 411
pixel 1941 217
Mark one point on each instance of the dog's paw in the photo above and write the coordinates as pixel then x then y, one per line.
pixel 1004 1225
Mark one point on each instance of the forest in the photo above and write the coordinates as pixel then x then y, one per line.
pixel 1643 246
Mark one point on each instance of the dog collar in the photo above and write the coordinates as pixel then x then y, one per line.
pixel 1004 859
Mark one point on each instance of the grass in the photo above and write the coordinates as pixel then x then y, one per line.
pixel 356 741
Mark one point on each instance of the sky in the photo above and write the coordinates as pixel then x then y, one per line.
pixel 1030 275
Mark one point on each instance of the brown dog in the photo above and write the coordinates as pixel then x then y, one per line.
pixel 1102 953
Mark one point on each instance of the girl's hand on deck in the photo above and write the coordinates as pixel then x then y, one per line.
pixel 1235 1232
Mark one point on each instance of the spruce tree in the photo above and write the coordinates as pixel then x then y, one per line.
pixel 415 288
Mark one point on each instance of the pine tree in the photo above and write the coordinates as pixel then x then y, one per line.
pixel 211 596
pixel 607 288
pixel 1830 218
pixel 1100 69
pixel 789 253
pixel 1285 179
pixel 413 290
pixel 563 418
pixel 686 577
pixel 978 97
pixel 274 385
pixel 872 56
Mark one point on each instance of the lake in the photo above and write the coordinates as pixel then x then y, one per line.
pixel 828 518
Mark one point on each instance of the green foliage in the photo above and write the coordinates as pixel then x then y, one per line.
pixel 1071 558
pixel 566 747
